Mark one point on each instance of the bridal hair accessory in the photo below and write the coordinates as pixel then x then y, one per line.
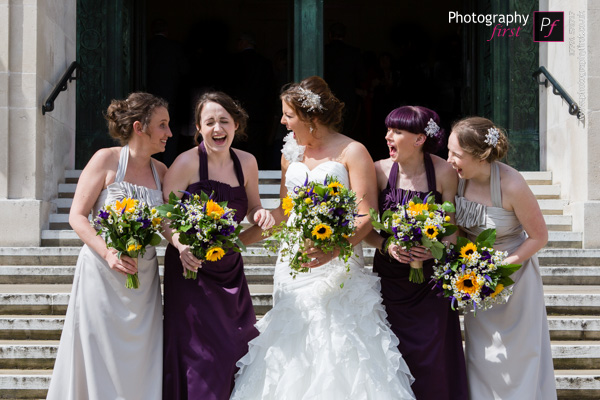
pixel 492 136
pixel 310 100
pixel 291 150
pixel 432 128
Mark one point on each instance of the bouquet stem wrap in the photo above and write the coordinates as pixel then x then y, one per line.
pixel 416 271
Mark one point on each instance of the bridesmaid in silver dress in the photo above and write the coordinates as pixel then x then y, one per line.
pixel 111 345
pixel 508 346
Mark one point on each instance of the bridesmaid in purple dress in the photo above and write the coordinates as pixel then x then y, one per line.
pixel 428 330
pixel 209 321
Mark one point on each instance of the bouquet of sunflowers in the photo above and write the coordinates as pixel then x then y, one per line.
pixel 321 215
pixel 128 226
pixel 206 226
pixel 474 275
pixel 417 223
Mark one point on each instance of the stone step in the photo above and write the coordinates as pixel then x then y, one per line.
pixel 53 299
pixel 563 275
pixel 578 384
pixel 574 327
pixel 72 175
pixel 558 222
pixel 24 383
pixel 63 274
pixel 569 257
pixel 33 384
pixel 537 177
pixel 68 237
pixel 28 354
pixel 543 191
pixel 32 327
pixel 31 299
pixel 57 274
pixel 254 255
pixel 531 177
pixel 40 354
pixel 266 190
pixel 552 206
pixel 49 327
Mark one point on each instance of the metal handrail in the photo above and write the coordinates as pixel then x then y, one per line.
pixel 61 86
pixel 557 90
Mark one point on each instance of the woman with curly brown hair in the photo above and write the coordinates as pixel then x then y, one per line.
pixel 111 344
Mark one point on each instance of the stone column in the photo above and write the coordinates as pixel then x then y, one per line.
pixel 572 145
pixel 36 46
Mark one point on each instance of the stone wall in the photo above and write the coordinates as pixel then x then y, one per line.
pixel 37 44
pixel 570 147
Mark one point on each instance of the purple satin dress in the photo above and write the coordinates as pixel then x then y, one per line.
pixel 428 329
pixel 209 321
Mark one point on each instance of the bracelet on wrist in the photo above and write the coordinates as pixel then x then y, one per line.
pixel 384 247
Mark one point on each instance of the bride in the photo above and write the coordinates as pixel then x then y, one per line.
pixel 322 339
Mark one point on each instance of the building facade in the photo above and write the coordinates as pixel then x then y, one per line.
pixel 40 40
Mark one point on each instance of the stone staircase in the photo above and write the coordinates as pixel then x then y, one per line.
pixel 35 284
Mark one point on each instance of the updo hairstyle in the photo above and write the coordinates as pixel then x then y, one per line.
pixel 121 114
pixel 239 115
pixel 415 119
pixel 471 133
pixel 330 111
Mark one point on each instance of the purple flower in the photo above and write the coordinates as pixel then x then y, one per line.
pixel 103 214
pixel 226 230
pixel 145 222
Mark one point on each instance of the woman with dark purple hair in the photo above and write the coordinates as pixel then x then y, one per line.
pixel 428 330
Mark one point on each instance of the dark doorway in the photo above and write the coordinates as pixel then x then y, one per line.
pixel 409 55
pixel 239 47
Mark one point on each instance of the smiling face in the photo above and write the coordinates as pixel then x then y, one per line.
pixel 292 122
pixel 465 164
pixel 158 129
pixel 402 144
pixel 217 127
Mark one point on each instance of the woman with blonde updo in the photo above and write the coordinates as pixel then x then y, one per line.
pixel 111 344
pixel 326 336
pixel 508 346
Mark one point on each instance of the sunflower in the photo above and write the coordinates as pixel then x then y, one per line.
pixel 134 247
pixel 431 231
pixel 468 283
pixel 335 188
pixel 417 208
pixel 215 254
pixel 322 231
pixel 214 210
pixel 468 250
pixel 127 205
pixel 499 288
pixel 287 204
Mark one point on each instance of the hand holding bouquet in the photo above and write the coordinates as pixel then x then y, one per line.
pixel 206 226
pixel 418 223
pixel 474 274
pixel 322 216
pixel 129 226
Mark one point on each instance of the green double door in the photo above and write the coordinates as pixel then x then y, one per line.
pixel 497 82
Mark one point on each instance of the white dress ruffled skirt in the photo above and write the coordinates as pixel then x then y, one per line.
pixel 322 340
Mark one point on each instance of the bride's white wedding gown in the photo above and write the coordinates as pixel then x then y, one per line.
pixel 320 340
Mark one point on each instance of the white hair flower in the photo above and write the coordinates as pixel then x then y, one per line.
pixel 432 128
pixel 492 136
pixel 310 100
